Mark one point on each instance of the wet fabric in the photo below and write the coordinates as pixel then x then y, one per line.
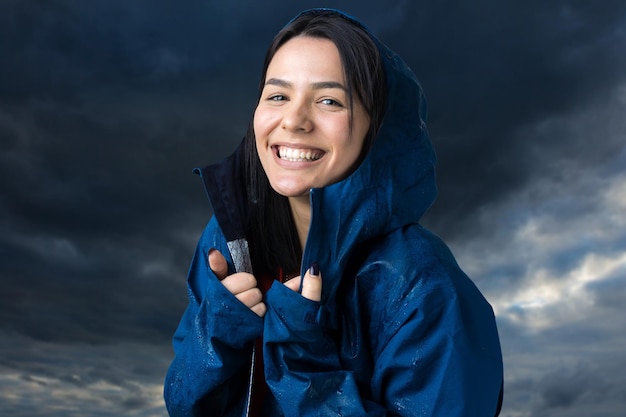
pixel 400 330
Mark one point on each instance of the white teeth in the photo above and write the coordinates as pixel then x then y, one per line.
pixel 297 155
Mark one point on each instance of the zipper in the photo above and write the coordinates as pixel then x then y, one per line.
pixel 246 411
pixel 240 254
pixel 243 263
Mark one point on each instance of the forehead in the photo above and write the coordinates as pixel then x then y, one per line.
pixel 305 56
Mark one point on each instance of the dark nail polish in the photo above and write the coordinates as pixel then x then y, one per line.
pixel 315 269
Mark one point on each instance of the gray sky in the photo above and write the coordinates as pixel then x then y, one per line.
pixel 107 105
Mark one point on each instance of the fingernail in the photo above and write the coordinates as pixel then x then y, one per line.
pixel 314 269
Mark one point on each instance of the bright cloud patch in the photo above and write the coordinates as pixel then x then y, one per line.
pixel 66 380
pixel 553 264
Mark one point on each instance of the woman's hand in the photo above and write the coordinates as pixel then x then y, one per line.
pixel 241 284
pixel 312 286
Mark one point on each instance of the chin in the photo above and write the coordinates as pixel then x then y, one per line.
pixel 293 194
pixel 291 190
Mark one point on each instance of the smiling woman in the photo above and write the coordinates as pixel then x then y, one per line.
pixel 307 135
pixel 314 291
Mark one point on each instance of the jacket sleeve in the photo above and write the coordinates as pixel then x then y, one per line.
pixel 303 368
pixel 432 339
pixel 213 341
pixel 436 348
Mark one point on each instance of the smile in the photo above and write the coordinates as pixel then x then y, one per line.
pixel 298 155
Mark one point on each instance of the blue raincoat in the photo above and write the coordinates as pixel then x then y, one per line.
pixel 400 329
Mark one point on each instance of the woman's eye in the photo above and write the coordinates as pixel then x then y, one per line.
pixel 330 102
pixel 277 97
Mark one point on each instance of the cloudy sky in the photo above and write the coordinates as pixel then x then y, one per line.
pixel 107 105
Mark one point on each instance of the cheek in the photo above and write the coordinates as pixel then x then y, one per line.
pixel 256 123
pixel 263 123
pixel 260 125
pixel 354 147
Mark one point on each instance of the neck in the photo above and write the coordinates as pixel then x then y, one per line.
pixel 301 212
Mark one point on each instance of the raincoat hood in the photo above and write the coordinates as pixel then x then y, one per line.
pixel 393 186
pixel 400 167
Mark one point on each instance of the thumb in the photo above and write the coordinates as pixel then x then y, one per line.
pixel 218 264
pixel 312 283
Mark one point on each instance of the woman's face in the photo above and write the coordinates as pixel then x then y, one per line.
pixel 302 120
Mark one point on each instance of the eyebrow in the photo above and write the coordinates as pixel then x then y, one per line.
pixel 316 86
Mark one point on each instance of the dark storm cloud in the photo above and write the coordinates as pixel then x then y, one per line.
pixel 82 207
pixel 108 109
pixel 563 390
pixel 56 48
pixel 564 361
pixel 610 293
pixel 490 72
pixel 564 387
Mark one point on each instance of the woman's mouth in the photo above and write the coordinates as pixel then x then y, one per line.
pixel 298 155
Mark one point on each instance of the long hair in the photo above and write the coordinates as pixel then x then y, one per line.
pixel 271 232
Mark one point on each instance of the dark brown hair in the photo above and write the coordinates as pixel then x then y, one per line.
pixel 271 233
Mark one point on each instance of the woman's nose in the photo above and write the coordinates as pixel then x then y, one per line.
pixel 297 117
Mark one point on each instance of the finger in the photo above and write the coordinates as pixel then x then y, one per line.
pixel 250 297
pixel 239 282
pixel 218 264
pixel 312 284
pixel 294 283
pixel 260 309
pixel 253 299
